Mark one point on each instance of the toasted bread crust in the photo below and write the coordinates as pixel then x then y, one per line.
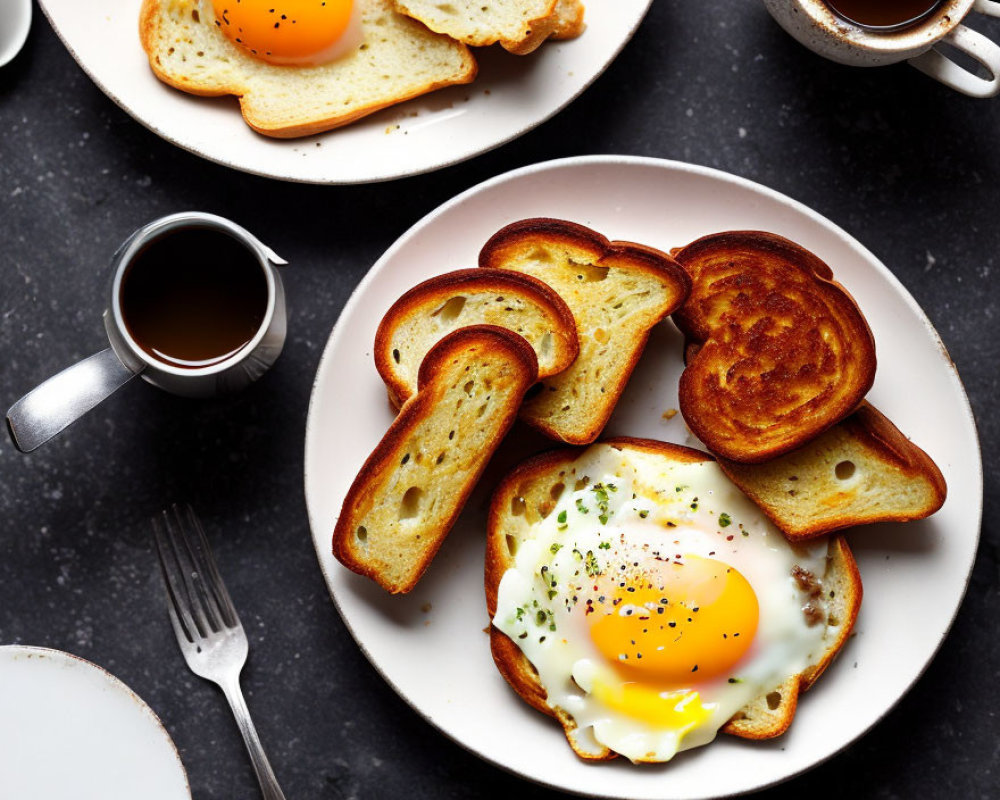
pixel 891 479
pixel 529 483
pixel 532 32
pixel 784 353
pixel 206 84
pixel 571 24
pixel 623 290
pixel 394 553
pixel 429 297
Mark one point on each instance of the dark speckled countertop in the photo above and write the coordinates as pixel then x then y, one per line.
pixel 908 167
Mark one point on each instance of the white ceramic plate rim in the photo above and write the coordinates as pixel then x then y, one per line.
pixel 14 651
pixel 321 529
pixel 261 155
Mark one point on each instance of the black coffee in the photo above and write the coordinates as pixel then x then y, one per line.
pixel 193 297
pixel 884 14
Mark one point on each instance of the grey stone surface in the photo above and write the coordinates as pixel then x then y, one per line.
pixel 908 167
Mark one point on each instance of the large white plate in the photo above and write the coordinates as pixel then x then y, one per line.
pixel 922 568
pixel 70 729
pixel 510 96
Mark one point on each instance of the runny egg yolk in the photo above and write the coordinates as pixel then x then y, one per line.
pixel 298 32
pixel 689 621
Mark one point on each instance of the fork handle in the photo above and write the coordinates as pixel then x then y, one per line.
pixel 265 775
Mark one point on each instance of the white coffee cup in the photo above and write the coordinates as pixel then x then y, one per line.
pixel 816 26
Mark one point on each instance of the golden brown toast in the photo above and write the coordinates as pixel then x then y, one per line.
pixel 859 471
pixel 399 59
pixel 436 307
pixel 527 495
pixel 617 292
pixel 784 351
pixel 519 26
pixel 413 486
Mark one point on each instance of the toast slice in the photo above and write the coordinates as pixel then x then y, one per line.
pixel 434 308
pixel 570 14
pixel 519 26
pixel 528 495
pixel 861 470
pixel 617 292
pixel 413 486
pixel 784 351
pixel 398 59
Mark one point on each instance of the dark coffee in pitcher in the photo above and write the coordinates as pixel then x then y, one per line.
pixel 194 297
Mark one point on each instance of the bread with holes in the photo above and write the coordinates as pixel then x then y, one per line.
pixel 399 58
pixel 436 307
pixel 410 491
pixel 526 501
pixel 617 292
pixel 783 351
pixel 862 470
pixel 519 26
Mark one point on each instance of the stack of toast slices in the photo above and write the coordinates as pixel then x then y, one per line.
pixel 549 327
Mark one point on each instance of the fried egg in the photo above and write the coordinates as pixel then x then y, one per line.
pixel 655 601
pixel 291 32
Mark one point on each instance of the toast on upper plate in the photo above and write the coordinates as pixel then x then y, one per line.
pixel 413 486
pixel 784 350
pixel 617 292
pixel 529 495
pixel 520 26
pixel 859 471
pixel 436 307
pixel 398 59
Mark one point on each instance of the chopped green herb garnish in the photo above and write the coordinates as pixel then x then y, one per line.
pixel 562 516
pixel 603 519
pixel 555 548
pixel 593 569
pixel 581 507
pixel 605 545
pixel 643 513
pixel 725 520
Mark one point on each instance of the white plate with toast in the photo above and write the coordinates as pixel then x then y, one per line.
pixel 70 729
pixel 511 95
pixel 438 629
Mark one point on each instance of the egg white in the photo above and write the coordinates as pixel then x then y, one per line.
pixel 618 514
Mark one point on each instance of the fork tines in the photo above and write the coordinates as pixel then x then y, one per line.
pixel 199 602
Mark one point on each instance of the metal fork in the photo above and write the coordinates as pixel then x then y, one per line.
pixel 208 629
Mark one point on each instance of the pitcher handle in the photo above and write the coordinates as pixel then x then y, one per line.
pixel 65 397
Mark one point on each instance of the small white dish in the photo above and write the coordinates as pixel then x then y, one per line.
pixel 15 22
pixel 918 571
pixel 70 729
pixel 510 96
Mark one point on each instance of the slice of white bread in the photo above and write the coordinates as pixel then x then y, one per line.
pixel 528 494
pixel 413 486
pixel 432 309
pixel 859 471
pixel 398 59
pixel 520 26
pixel 617 292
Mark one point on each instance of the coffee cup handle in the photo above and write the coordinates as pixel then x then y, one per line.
pixel 62 399
pixel 984 50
